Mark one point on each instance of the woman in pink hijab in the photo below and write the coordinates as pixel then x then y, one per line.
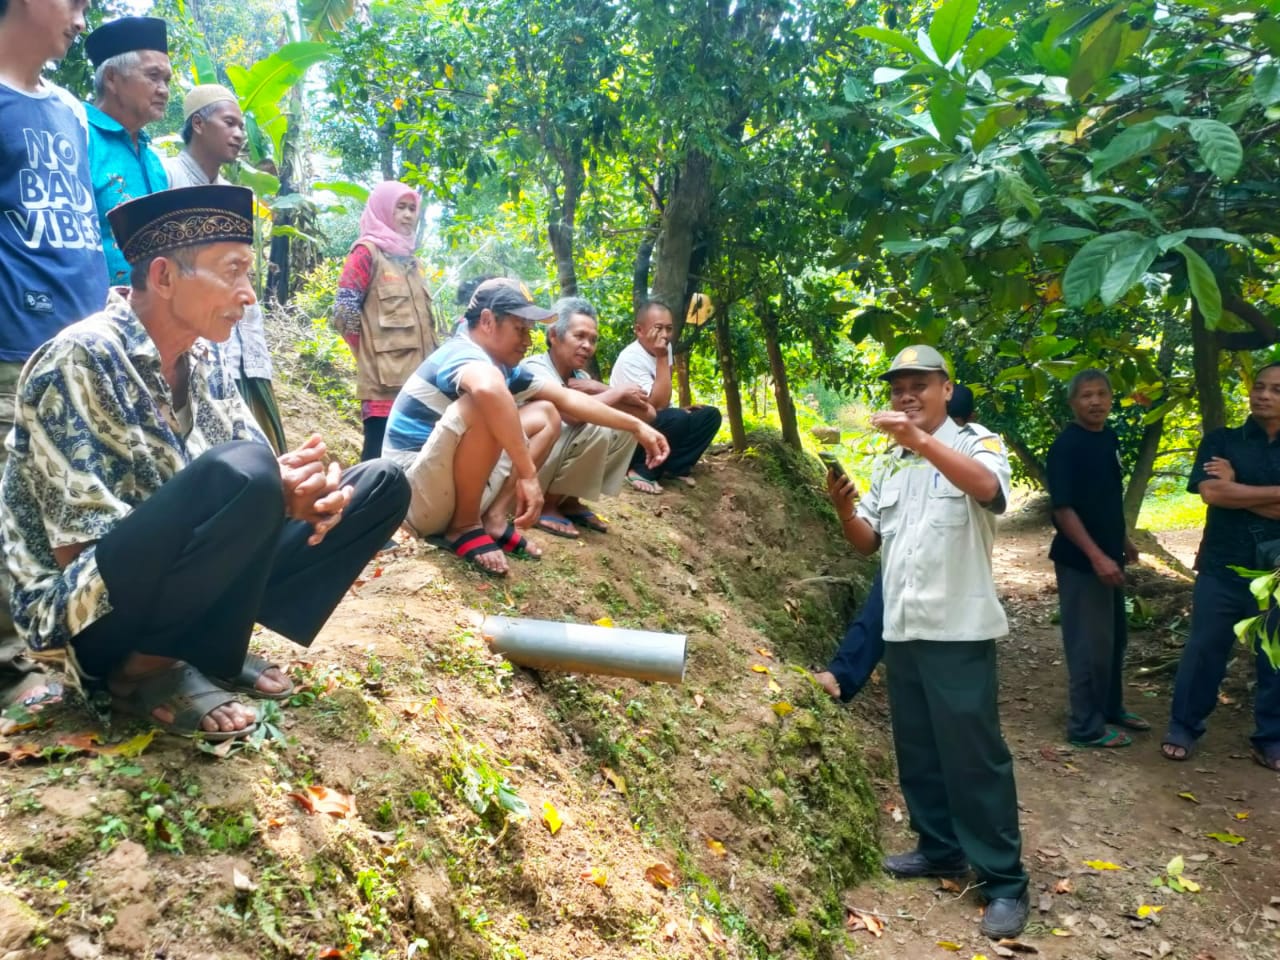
pixel 383 309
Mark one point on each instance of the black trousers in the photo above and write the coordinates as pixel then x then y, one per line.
pixel 689 432
pixel 193 568
pixel 375 428
pixel 953 765
pixel 1095 634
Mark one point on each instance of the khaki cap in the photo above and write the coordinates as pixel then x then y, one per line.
pixel 917 359
pixel 203 95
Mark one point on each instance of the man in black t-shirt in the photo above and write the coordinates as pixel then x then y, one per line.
pixel 1237 473
pixel 1089 552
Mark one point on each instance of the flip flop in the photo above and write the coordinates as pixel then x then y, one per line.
pixel 1111 740
pixel 588 519
pixel 1263 759
pixel 190 696
pixel 1131 721
pixel 515 543
pixel 644 485
pixel 469 545
pixel 246 681
pixel 557 526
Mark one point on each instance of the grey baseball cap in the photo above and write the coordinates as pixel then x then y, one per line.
pixel 917 359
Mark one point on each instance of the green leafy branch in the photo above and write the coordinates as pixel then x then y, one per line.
pixel 1261 632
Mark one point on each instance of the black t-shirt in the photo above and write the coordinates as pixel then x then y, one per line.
pixel 1231 535
pixel 1084 474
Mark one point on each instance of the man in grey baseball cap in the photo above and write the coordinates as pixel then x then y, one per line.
pixel 931 511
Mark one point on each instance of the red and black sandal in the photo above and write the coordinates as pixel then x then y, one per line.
pixel 515 543
pixel 470 545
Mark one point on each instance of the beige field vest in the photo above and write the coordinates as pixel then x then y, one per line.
pixel 397 328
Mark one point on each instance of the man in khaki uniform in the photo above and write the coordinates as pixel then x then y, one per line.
pixel 931 510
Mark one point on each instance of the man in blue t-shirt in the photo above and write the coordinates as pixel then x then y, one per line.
pixel 472 426
pixel 52 272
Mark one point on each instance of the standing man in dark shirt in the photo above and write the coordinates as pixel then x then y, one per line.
pixel 1237 473
pixel 1089 552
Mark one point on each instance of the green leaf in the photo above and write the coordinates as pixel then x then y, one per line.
pixel 946 103
pixel 1089 267
pixel 985 44
pixel 1080 208
pixel 893 38
pixel 951 25
pixel 1014 193
pixel 1219 147
pixel 263 184
pixel 888 74
pixel 1268 31
pixel 982 236
pixel 1137 209
pixel 268 80
pixel 1204 286
pixel 977 196
pixel 900 247
pixel 343 188
pixel 1171 240
pixel 1127 269
pixel 1266 85
pixel 325 17
pixel 1096 62
pixel 1128 143
pixel 1061 234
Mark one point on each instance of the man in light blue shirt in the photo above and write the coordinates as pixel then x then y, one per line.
pixel 131 75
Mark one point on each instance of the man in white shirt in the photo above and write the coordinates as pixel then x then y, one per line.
pixel 931 511
pixel 213 134
pixel 646 363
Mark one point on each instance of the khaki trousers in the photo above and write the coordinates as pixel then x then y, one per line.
pixel 588 461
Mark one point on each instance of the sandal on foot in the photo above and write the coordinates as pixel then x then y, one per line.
pixel 246 681
pixel 1131 721
pixel 588 519
pixel 470 545
pixel 1265 759
pixel 188 694
pixel 1171 745
pixel 557 526
pixel 517 544
pixel 643 484
pixel 1111 740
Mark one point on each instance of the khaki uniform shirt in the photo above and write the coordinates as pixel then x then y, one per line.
pixel 936 541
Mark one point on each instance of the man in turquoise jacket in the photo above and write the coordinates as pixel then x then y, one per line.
pixel 131 75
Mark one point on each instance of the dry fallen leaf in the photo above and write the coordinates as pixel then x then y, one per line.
pixel 318 799
pixel 1188 796
pixel 328 953
pixel 1017 946
pixel 597 875
pixel 759 668
pixel 950 885
pixel 895 813
pixel 1146 910
pixel 1230 839
pixel 774 686
pixel 1102 865
pixel 1062 886
pixel 714 936
pixel 661 876
pixel 1059 932
pixel 241 881
pixel 603 622
pixel 782 708
pixel 671 931
pixel 551 817
pixel 764 653
pixel 1242 815
pixel 698 701
pixel 716 847
pixel 615 780
pixel 857 920
pixel 949 945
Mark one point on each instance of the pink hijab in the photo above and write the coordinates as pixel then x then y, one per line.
pixel 377 222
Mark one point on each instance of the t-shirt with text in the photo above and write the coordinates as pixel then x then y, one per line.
pixel 52 271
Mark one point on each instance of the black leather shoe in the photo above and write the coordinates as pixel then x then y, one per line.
pixel 1006 916
pixel 915 864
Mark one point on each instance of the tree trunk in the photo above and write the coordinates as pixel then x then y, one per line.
pixel 1033 467
pixel 644 260
pixel 1149 447
pixel 1204 346
pixel 560 234
pixel 684 217
pixel 387 149
pixel 729 378
pixel 778 370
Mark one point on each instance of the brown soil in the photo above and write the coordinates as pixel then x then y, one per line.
pixel 760 795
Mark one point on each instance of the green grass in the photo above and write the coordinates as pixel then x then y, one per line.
pixel 1171 511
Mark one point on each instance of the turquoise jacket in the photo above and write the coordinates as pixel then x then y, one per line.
pixel 120 172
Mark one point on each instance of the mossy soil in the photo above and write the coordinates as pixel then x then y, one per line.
pixel 745 781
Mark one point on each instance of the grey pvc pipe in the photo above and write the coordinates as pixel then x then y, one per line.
pixel 579 648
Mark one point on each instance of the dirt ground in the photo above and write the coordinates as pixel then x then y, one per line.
pixel 730 816
pixel 1130 807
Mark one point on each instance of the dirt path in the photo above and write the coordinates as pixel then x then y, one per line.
pixel 1130 807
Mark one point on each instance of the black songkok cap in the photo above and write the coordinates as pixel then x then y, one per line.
pixel 124 36
pixel 185 217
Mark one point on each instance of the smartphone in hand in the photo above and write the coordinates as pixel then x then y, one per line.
pixel 832 464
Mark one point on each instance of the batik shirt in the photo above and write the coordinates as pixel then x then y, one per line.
pixel 95 435
pixel 122 171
